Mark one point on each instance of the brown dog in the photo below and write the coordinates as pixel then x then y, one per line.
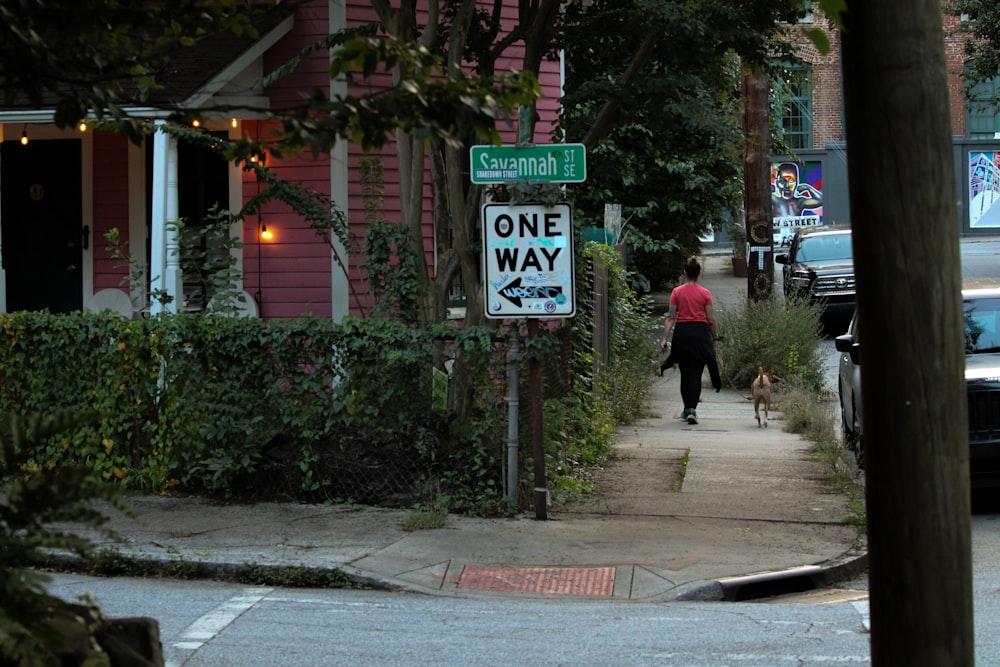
pixel 761 390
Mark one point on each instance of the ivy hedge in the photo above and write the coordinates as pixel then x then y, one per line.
pixel 195 401
pixel 312 410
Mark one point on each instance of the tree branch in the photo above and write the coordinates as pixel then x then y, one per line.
pixel 605 120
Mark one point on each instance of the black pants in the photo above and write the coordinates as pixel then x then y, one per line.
pixel 693 350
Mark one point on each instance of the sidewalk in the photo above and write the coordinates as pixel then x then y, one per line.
pixel 753 517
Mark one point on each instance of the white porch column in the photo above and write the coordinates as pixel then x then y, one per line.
pixel 339 174
pixel 164 261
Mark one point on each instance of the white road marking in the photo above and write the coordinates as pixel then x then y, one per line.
pixel 217 620
pixel 863 610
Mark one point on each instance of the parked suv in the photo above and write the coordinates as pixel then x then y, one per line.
pixel 982 385
pixel 820 267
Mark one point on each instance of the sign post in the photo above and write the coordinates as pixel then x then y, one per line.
pixel 529 271
pixel 528 265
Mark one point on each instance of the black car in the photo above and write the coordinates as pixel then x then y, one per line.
pixel 982 385
pixel 849 389
pixel 819 266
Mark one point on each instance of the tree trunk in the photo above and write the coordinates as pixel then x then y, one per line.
pixel 412 169
pixel 756 182
pixel 907 264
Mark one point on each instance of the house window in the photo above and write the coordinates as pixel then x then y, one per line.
pixel 982 119
pixel 791 101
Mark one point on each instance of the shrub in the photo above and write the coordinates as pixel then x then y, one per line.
pixel 198 402
pixel 623 386
pixel 239 407
pixel 33 624
pixel 783 336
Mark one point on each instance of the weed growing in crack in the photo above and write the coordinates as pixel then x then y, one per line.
pixel 682 470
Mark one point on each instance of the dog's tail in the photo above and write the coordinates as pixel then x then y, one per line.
pixel 760 374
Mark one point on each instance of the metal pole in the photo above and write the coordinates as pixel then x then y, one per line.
pixel 513 402
pixel 524 125
pixel 537 439
pixel 524 136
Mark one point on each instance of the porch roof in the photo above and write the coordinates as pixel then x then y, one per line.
pixel 217 73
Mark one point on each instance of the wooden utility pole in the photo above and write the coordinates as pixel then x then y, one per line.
pixel 757 182
pixel 908 267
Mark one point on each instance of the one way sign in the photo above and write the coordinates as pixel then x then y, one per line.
pixel 529 261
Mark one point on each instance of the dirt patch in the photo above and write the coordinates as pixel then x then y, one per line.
pixel 632 483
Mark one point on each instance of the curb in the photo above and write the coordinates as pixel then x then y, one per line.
pixel 793 580
pixel 742 588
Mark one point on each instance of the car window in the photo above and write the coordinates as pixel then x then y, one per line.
pixel 982 333
pixel 822 248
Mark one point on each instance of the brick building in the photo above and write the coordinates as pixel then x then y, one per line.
pixel 809 104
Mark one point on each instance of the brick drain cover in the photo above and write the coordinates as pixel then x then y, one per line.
pixel 554 580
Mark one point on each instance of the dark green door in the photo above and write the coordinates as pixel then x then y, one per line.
pixel 41 225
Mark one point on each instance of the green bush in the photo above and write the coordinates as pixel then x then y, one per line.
pixel 623 387
pixel 783 336
pixel 197 402
pixel 786 338
pixel 34 625
pixel 207 403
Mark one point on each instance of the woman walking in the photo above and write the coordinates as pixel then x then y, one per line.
pixel 692 322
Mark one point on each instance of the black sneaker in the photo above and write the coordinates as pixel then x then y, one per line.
pixel 692 417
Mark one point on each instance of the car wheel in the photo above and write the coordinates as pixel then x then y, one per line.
pixel 845 428
pixel 858 442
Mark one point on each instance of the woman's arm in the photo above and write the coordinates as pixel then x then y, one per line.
pixel 710 316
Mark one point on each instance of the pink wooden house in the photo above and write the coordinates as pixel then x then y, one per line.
pixel 64 189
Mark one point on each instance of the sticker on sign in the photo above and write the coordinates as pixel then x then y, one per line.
pixel 528 261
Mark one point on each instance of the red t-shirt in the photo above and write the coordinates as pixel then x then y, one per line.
pixel 690 300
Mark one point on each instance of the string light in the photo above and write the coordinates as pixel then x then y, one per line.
pixel 265 234
pixel 196 123
pixel 235 123
pixel 83 126
pixel 24 135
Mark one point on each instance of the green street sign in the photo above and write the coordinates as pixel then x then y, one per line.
pixel 551 163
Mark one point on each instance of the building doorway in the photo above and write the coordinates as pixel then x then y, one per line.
pixel 42 237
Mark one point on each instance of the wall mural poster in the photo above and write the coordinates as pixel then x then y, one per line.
pixel 796 198
pixel 984 189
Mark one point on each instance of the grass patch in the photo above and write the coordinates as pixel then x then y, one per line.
pixel 682 470
pixel 426 517
pixel 113 563
pixel 809 414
